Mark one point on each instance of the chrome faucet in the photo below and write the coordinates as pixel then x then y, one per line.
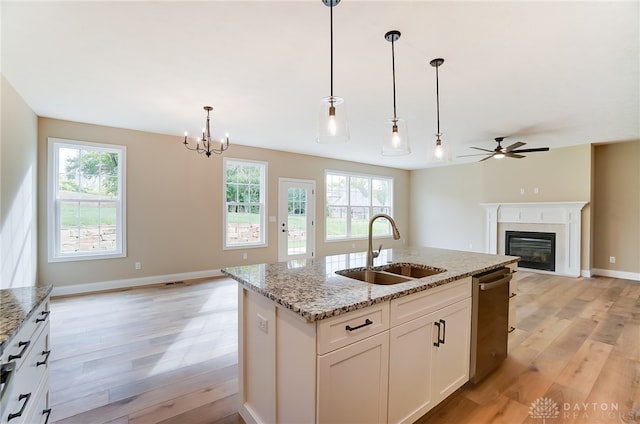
pixel 371 255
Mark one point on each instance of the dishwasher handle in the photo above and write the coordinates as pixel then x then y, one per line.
pixel 495 284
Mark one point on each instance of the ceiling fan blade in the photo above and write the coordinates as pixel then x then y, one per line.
pixel 475 154
pixel 538 149
pixel 515 146
pixel 484 150
pixel 488 157
pixel 513 155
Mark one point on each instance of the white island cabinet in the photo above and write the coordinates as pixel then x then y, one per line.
pixel 389 362
pixel 318 347
pixel 429 355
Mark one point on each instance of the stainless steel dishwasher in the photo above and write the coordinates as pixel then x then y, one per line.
pixel 489 322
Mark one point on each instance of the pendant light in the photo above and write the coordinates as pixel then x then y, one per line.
pixel 441 151
pixel 395 140
pixel 332 123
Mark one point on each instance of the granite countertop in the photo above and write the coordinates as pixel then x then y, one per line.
pixel 312 289
pixel 16 306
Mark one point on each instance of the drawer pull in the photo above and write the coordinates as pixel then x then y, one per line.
pixel 46 354
pixel 442 325
pixel 46 412
pixel 366 322
pixel 24 346
pixel 45 314
pixel 24 405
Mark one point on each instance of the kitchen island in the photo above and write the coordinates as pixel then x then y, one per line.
pixel 315 346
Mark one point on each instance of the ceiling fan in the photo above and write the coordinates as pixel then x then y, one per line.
pixel 512 151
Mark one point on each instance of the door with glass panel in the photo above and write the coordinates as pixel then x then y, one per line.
pixel 296 219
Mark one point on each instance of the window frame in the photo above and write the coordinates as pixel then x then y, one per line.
pixel 349 205
pixel 264 166
pixel 54 251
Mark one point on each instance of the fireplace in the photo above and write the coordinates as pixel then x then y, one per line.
pixel 537 250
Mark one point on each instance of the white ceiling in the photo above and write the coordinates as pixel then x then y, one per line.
pixel 546 73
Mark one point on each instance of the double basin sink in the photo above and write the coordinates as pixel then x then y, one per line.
pixel 391 274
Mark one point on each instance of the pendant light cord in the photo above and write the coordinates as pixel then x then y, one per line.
pixel 393 71
pixel 331 43
pixel 438 99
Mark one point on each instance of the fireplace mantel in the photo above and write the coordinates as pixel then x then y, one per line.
pixel 567 214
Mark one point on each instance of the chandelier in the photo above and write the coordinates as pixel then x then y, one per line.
pixel 206 144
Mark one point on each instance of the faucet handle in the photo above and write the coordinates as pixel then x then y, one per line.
pixel 376 254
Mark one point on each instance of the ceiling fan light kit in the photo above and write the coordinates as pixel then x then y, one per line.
pixel 395 141
pixel 333 126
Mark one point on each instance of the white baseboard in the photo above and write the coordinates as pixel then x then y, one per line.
pixel 616 274
pixel 131 282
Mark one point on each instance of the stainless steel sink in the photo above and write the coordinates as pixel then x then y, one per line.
pixel 374 277
pixel 413 270
pixel 392 273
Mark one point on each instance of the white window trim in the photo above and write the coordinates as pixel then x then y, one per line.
pixel 53 233
pixel 263 197
pixel 360 175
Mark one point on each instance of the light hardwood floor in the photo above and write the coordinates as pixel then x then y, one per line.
pixel 168 354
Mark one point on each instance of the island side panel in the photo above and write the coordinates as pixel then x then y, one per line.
pixel 296 368
pixel 256 357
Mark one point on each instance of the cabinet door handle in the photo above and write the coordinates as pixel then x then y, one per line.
pixel 437 343
pixel 45 314
pixel 24 405
pixel 444 331
pixel 46 354
pixel 512 295
pixel 24 346
pixel 366 322
pixel 46 412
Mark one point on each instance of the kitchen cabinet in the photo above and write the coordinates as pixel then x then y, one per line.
pixel 352 382
pixel 429 355
pixel 25 371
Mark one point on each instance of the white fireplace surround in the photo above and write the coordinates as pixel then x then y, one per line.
pixel 563 218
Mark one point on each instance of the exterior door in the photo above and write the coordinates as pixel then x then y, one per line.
pixel 296 219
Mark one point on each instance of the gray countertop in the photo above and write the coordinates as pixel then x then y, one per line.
pixel 16 307
pixel 312 289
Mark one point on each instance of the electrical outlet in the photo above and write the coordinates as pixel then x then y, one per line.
pixel 612 259
pixel 138 265
pixel 244 256
pixel 263 324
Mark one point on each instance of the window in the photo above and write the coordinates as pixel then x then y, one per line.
pixel 86 198
pixel 245 210
pixel 351 200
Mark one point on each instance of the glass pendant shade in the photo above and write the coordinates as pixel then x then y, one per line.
pixel 440 152
pixel 333 125
pixel 395 141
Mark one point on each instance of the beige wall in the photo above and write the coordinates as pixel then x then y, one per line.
pixel 18 207
pixel 174 205
pixel 616 208
pixel 446 211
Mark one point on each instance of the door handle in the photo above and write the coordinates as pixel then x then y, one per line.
pixel 437 343
pixel 444 331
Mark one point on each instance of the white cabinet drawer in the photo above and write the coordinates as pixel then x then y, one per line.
pixel 341 330
pixel 23 342
pixel 415 305
pixel 18 403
